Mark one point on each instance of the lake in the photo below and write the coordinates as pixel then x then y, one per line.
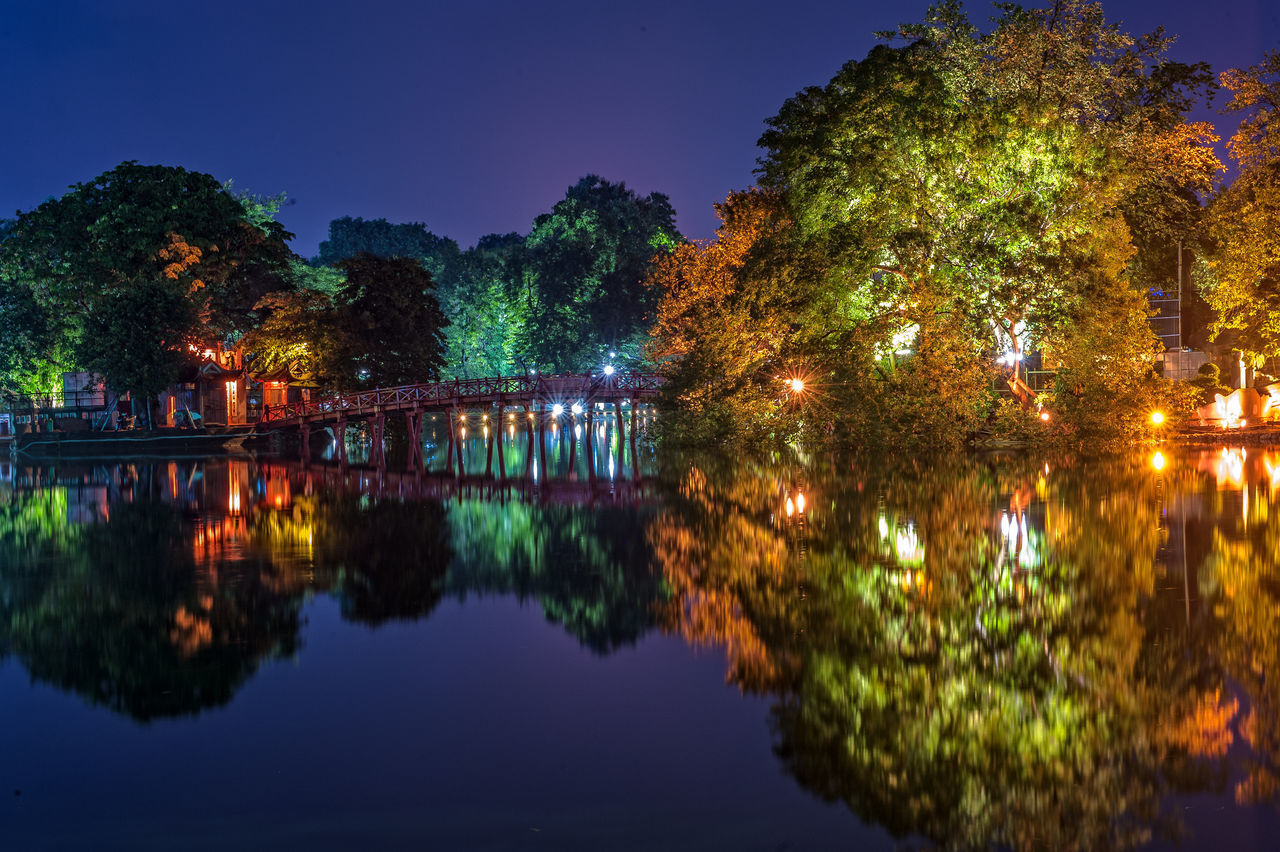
pixel 620 649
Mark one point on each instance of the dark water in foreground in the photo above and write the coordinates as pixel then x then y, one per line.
pixel 245 653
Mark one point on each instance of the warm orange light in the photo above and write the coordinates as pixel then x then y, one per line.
pixel 1044 416
pixel 800 503
pixel 1157 418
pixel 1157 460
pixel 796 385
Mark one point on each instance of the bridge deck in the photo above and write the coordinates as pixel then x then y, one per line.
pixel 466 393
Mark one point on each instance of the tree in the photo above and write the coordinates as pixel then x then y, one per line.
pixel 721 326
pixel 1240 272
pixel 962 195
pixel 484 323
pixel 392 321
pixel 580 290
pixel 302 330
pixel 101 256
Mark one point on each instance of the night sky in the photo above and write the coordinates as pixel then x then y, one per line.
pixel 472 117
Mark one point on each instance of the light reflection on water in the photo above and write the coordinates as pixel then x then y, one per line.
pixel 1028 653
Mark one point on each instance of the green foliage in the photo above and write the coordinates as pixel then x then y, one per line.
pixel 136 338
pixel 123 270
pixel 580 292
pixel 959 197
pixel 392 322
pixel 301 330
pixel 484 321
pixel 1208 382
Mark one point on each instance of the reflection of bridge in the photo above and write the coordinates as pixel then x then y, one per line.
pixel 423 485
pixel 534 393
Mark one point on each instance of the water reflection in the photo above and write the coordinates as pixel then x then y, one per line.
pixel 1004 652
pixel 156 589
pixel 993 653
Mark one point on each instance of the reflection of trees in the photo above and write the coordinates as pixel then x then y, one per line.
pixel 588 567
pixel 119 613
pixel 161 594
pixel 383 558
pixel 1241 582
pixel 960 651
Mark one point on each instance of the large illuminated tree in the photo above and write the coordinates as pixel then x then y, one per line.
pixel 138 261
pixel 968 195
pixel 580 289
pixel 1240 276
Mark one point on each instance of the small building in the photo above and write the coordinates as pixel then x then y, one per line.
pixel 284 385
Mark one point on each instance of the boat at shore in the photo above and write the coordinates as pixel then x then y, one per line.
pixel 163 441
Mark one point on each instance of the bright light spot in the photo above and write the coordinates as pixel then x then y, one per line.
pixel 577 408
pixel 796 385
pixel 1157 418
pixel 608 369
pixel 557 410
pixel 613 354
pixel 791 507
pixel 800 503
pixel 485 418
pixel 511 417
pixel 1157 460
pixel 1044 415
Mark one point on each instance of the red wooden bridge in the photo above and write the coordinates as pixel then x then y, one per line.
pixel 536 394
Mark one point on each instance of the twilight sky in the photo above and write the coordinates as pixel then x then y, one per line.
pixel 472 116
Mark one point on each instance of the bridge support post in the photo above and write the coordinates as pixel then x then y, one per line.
pixel 455 423
pixel 448 448
pixel 340 437
pixel 379 448
pixel 488 451
pixel 413 422
pixel 502 462
pixel 304 432
pixel 573 446
pixel 622 435
pixel 635 460
pixel 590 437
pixel 542 445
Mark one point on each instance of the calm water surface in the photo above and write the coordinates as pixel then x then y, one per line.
pixel 805 654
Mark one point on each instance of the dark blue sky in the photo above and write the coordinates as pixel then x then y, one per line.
pixel 472 117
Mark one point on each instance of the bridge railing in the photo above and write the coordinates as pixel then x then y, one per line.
pixel 465 392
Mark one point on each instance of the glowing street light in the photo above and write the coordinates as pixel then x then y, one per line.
pixel 796 385
pixel 577 408
pixel 557 410
pixel 608 369
pixel 1157 418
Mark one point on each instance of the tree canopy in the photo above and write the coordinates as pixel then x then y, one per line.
pixel 961 198
pixel 581 292
pixel 124 270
